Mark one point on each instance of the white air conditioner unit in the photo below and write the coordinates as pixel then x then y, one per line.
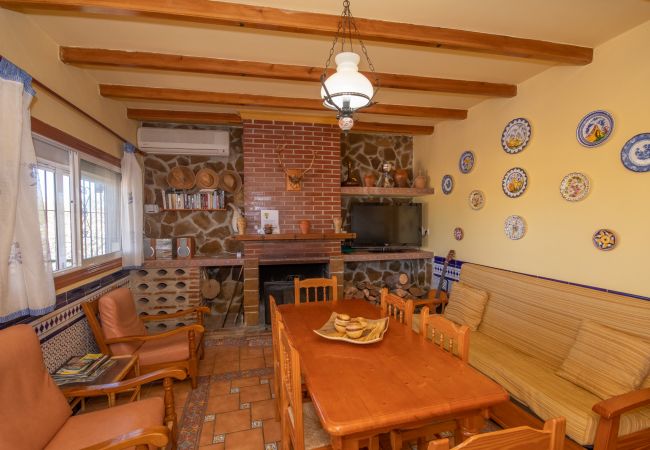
pixel 184 142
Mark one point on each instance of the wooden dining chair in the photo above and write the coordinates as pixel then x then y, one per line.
pixel 397 308
pixel 519 438
pixel 449 337
pixel 275 317
pixel 315 289
pixel 301 428
pixel 445 334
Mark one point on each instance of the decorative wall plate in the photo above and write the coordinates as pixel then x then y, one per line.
pixel 458 233
pixel 447 184
pixel 516 135
pixel 604 239
pixel 476 199
pixel 595 128
pixel 515 227
pixel 636 153
pixel 466 162
pixel 574 186
pixel 515 182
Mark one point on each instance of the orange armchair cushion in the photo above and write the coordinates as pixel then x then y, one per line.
pixel 119 319
pixel 32 407
pixel 92 428
pixel 168 349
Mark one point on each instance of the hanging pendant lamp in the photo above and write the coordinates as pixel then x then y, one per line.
pixel 347 90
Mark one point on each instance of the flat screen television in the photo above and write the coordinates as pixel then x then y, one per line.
pixel 380 225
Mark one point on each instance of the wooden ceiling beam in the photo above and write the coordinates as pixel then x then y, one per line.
pixel 261 17
pixel 195 64
pixel 212 118
pixel 162 115
pixel 313 104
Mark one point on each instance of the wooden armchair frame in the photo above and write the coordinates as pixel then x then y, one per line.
pixel 509 415
pixel 313 285
pixel 158 436
pixel 196 351
pixel 610 411
pixel 520 438
pixel 397 308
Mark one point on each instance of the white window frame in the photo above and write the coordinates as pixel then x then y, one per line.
pixel 75 197
pixel 108 256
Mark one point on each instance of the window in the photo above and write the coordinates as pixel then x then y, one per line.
pixel 100 210
pixel 79 205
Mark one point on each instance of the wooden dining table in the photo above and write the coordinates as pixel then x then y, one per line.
pixel 402 381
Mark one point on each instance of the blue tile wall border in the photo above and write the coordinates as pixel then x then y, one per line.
pixel 454 268
pixel 65 332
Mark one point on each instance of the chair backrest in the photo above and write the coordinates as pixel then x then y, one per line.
pixel 33 407
pixel 275 317
pixel 396 307
pixel 315 289
pixel 290 391
pixel 519 438
pixel 445 333
pixel 119 318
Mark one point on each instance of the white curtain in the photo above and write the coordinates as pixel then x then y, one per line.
pixel 26 282
pixel 132 186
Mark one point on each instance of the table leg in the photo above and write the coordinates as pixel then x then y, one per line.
pixel 337 442
pixel 469 426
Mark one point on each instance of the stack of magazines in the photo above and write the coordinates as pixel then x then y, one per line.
pixel 82 369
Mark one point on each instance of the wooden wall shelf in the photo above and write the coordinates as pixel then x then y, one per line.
pixel 362 191
pixel 296 237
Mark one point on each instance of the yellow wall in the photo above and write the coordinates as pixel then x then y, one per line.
pixel 558 242
pixel 27 46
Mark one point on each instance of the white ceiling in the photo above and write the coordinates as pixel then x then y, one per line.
pixel 580 22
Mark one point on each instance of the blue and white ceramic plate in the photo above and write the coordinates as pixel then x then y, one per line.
pixel 636 153
pixel 515 182
pixel 447 184
pixel 516 135
pixel 466 162
pixel 604 239
pixel 514 227
pixel 595 128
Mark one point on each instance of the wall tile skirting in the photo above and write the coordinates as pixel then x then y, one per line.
pixel 65 332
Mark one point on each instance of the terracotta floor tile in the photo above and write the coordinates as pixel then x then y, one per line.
pixel 219 388
pixel 213 447
pixel 227 354
pixel 251 352
pixel 248 381
pixel 245 440
pixel 264 409
pixel 206 433
pixel 252 363
pixel 223 403
pixel 226 366
pixel 251 394
pixel 272 431
pixel 233 421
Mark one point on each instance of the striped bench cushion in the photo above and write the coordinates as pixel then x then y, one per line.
pixel 534 383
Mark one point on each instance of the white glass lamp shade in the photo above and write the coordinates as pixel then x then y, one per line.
pixel 347 84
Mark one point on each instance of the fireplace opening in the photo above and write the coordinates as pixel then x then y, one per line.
pixel 277 280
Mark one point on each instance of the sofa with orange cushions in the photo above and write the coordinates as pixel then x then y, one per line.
pixel 563 350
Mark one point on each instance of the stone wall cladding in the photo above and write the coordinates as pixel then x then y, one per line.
pixel 368 152
pixel 265 187
pixel 210 229
pixel 377 273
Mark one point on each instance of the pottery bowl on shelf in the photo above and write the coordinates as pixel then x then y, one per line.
pixel 354 330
